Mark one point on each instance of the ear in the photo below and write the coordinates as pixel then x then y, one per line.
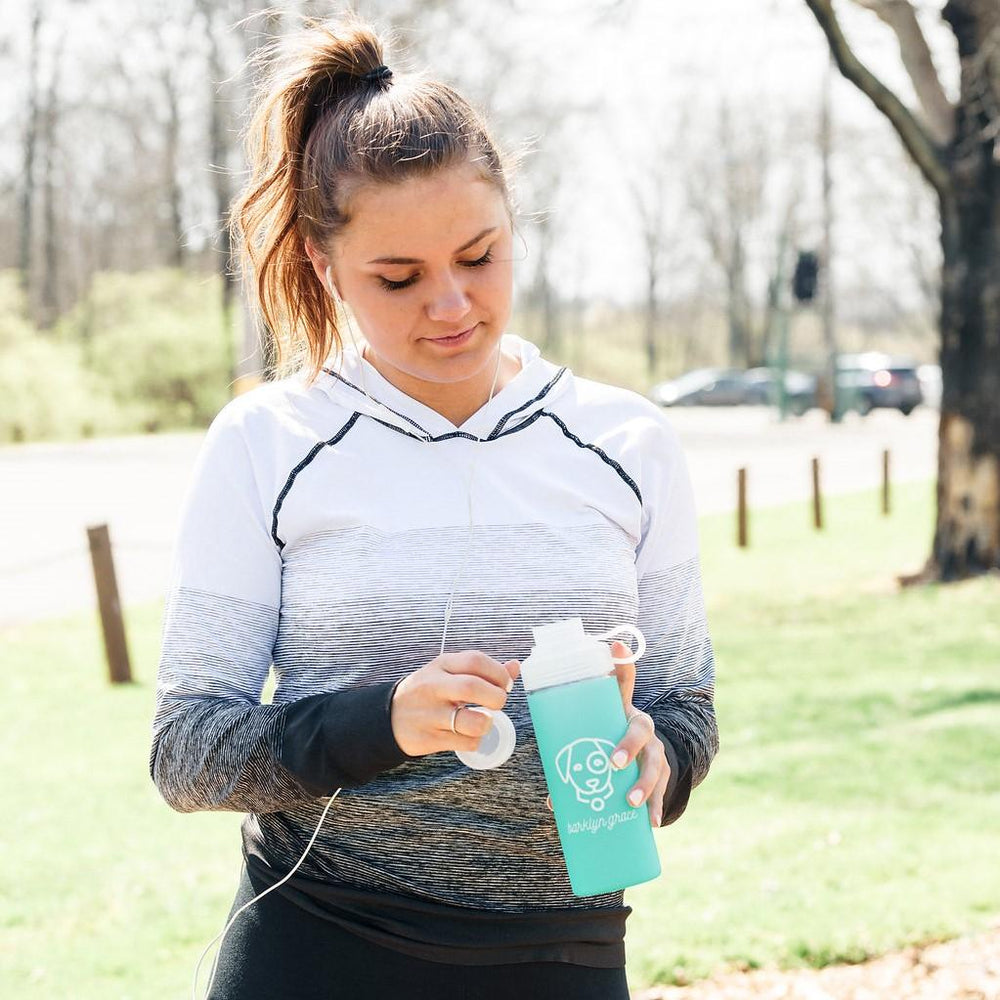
pixel 322 265
pixel 563 762
pixel 330 284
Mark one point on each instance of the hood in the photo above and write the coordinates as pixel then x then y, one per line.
pixel 354 384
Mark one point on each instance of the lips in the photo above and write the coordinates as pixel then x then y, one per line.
pixel 456 338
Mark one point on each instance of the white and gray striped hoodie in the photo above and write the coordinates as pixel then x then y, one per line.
pixel 322 534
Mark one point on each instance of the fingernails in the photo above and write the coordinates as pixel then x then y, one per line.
pixel 619 759
pixel 657 819
pixel 635 796
pixel 510 685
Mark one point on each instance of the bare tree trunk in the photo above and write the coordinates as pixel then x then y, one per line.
pixel 738 303
pixel 171 158
pixel 650 205
pixel 28 170
pixel 777 286
pixel 728 197
pixel 218 142
pixel 256 360
pixel 652 314
pixel 967 533
pixel 828 294
pixel 544 292
pixel 965 173
pixel 48 291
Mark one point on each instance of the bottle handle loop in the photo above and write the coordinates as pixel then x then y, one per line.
pixel 640 641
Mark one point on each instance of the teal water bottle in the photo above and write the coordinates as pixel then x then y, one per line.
pixel 577 713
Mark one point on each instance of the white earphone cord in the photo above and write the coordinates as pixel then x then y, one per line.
pixel 221 936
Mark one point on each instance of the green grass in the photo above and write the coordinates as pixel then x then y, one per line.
pixel 853 807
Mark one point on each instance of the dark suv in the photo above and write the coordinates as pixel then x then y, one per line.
pixel 870 380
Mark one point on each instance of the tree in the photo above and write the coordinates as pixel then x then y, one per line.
pixel 956 146
pixel 48 293
pixel 657 200
pixel 651 206
pixel 31 133
pixel 746 198
pixel 221 141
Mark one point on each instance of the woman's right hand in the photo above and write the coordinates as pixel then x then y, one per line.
pixel 424 701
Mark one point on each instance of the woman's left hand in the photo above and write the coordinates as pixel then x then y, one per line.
pixel 640 743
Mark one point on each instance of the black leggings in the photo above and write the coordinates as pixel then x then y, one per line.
pixel 278 951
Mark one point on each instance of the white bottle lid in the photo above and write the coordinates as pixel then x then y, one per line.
pixel 495 747
pixel 563 652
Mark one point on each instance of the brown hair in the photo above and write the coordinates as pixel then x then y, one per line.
pixel 319 128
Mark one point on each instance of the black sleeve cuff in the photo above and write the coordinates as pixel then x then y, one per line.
pixel 342 739
pixel 675 799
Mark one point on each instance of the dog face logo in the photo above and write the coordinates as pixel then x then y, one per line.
pixel 586 765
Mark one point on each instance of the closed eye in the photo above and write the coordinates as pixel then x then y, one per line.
pixel 393 286
pixel 479 261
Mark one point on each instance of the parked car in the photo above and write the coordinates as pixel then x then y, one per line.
pixel 872 379
pixel 761 387
pixel 703 386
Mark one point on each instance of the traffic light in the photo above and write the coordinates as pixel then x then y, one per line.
pixel 806 274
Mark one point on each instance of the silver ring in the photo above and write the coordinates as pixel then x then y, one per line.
pixel 454 716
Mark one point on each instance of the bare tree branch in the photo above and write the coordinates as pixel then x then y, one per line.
pixel 918 142
pixel 916 55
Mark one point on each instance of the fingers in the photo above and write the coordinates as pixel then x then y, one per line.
pixel 475 664
pixel 640 731
pixel 659 792
pixel 464 689
pixel 640 742
pixel 477 679
pixel 654 773
pixel 469 721
pixel 654 776
pixel 423 702
pixel 513 668
pixel 625 672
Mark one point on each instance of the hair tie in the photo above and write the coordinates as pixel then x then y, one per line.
pixel 379 73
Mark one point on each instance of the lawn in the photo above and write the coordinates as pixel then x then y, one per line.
pixel 853 807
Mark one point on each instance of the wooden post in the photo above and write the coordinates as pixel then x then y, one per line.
pixel 112 625
pixel 817 497
pixel 885 482
pixel 741 507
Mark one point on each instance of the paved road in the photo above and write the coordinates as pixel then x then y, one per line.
pixel 52 492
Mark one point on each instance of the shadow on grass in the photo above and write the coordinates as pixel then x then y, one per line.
pixel 978 696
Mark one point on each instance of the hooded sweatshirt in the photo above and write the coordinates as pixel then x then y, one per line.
pixel 324 530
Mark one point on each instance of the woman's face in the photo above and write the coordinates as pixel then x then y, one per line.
pixel 425 267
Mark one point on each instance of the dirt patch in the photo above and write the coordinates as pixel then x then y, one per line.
pixel 963 969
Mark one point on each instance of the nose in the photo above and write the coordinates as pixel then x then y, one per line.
pixel 449 302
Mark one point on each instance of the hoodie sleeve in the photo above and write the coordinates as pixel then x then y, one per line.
pixel 214 744
pixel 676 680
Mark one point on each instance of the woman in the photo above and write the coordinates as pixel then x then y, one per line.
pixel 386 525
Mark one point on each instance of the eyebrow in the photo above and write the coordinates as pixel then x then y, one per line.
pixel 414 260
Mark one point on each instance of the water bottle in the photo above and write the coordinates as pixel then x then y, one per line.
pixel 577 713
